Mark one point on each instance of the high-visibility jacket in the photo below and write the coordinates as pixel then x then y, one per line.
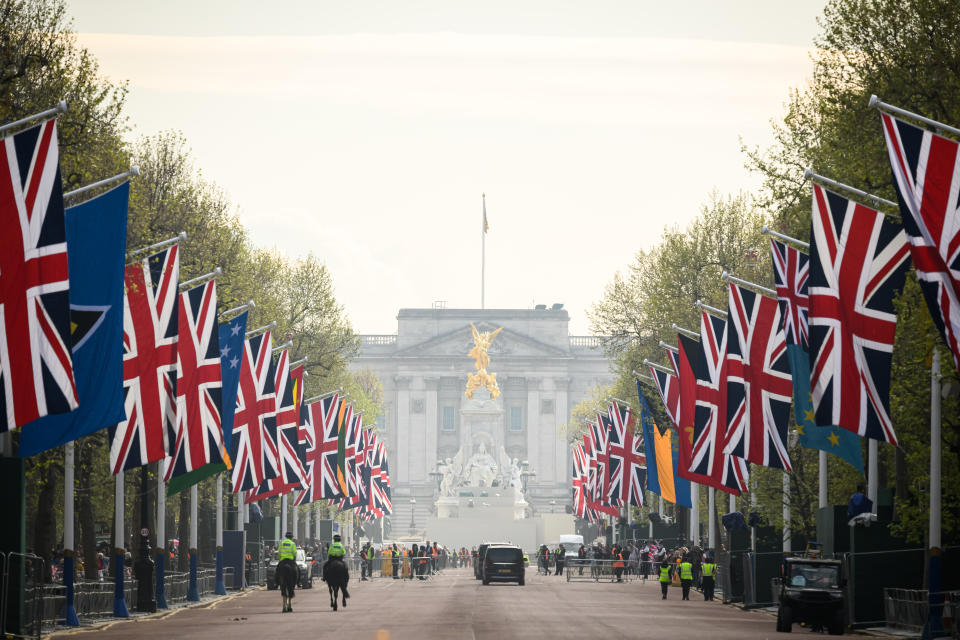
pixel 287 550
pixel 336 550
pixel 709 568
pixel 370 553
pixel 664 574
pixel 618 560
pixel 686 571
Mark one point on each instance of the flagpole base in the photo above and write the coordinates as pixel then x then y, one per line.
pixel 192 593
pixel 219 587
pixel 70 612
pixel 119 599
pixel 161 589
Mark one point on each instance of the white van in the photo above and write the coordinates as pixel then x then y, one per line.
pixel 571 543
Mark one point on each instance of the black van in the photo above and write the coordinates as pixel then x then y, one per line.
pixel 481 553
pixel 503 563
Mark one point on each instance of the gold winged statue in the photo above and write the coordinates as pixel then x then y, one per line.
pixel 481 342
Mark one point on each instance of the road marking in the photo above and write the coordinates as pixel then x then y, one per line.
pixel 383 634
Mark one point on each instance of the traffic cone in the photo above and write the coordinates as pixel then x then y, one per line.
pixel 947 613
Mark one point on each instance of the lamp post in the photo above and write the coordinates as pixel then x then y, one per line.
pixel 525 474
pixel 437 475
pixel 413 524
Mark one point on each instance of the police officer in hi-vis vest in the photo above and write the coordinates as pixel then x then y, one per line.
pixel 709 575
pixel 686 576
pixel 287 553
pixel 666 571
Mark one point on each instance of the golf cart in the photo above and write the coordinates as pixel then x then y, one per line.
pixel 812 591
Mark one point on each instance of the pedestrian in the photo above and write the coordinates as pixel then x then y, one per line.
pixel 544 559
pixel 558 559
pixel 665 577
pixel 395 560
pixel 709 571
pixel 581 556
pixel 686 576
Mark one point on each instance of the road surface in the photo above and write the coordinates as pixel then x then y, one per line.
pixel 454 605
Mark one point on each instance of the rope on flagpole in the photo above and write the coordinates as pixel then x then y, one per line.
pixel 207 277
pixel 133 171
pixel 808 174
pixel 263 329
pixel 237 310
pixel 756 288
pixel 60 108
pixel 687 332
pixel 157 246
pixel 658 367
pixel 669 347
pixel 717 313
pixel 897 111
pixel 767 231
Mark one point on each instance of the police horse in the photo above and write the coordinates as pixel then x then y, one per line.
pixel 288 574
pixel 336 575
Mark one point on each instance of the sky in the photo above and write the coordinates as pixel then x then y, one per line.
pixel 365 132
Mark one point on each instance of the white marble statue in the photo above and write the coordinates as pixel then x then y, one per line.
pixel 452 471
pixel 481 469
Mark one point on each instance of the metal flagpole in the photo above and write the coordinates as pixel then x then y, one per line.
pixel 193 594
pixel 767 231
pixel 134 171
pixel 200 279
pixel 934 621
pixel 294 519
pixel 306 520
pixel 263 329
pixel 717 313
pixel 483 254
pixel 787 534
pixel 687 332
pixel 119 602
pixel 161 540
pixel 712 524
pixel 822 484
pixel 60 108
pixel 872 476
pixel 219 588
pixel 70 614
pixel 695 513
pixel 897 111
pixel 157 246
pixel 833 184
pixel 283 515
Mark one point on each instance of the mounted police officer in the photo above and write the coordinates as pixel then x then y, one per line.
pixel 335 553
pixel 287 553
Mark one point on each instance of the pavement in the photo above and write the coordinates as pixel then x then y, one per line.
pixel 454 605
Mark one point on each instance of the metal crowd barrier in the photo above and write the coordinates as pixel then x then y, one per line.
pixel 30 568
pixel 595 570
pixel 909 609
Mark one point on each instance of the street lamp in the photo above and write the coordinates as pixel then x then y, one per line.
pixel 413 525
pixel 436 474
pixel 525 474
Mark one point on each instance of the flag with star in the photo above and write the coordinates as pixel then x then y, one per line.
pixel 790 269
pixel 231 352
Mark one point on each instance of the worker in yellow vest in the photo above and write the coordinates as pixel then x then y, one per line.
pixel 686 576
pixel 709 573
pixel 665 576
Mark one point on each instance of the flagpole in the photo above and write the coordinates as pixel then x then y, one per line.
pixel 872 476
pixel 483 254
pixel 712 524
pixel 822 485
pixel 133 171
pixel 60 108
pixel 219 588
pixel 823 181
pixel 161 539
pixel 193 594
pixel 897 111
pixel 70 612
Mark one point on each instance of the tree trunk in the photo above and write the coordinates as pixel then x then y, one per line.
pixel 900 469
pixel 45 525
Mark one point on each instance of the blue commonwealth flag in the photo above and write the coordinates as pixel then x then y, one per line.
pixel 96 247
pixel 231 354
pixel 663 477
pixel 835 440
pixel 231 336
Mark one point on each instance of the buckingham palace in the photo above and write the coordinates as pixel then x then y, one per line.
pixel 542 373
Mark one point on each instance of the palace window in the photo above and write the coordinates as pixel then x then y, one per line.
pixel 447 423
pixel 516 418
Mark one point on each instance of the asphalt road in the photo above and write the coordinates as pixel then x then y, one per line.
pixel 454 605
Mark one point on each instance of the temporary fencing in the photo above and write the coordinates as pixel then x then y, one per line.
pixel 596 570
pixel 22 571
pixel 909 609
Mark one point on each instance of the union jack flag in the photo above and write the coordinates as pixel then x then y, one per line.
pixel 150 320
pixel 926 172
pixel 579 482
pixel 858 261
pixel 387 497
pixel 199 439
pixel 725 472
pixel 759 382
pixel 328 450
pixel 288 393
pixel 669 389
pixel 36 367
pixel 601 429
pixel 628 462
pixel 791 269
pixel 255 455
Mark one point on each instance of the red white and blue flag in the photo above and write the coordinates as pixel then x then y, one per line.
pixel 36 366
pixel 926 172
pixel 150 328
pixel 199 436
pixel 255 455
pixel 791 270
pixel 668 386
pixel 627 459
pixel 288 392
pixel 858 262
pixel 707 458
pixel 759 382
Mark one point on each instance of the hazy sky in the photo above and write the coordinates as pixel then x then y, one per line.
pixel 365 131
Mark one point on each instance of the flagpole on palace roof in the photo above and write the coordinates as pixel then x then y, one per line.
pixel 483 254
